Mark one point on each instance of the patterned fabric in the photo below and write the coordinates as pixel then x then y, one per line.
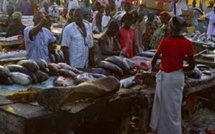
pixel 77 44
pixel 54 12
pixel 157 36
pixel 38 47
pixel 149 30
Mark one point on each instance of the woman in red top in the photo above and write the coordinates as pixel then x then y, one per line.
pixel 174 49
pixel 126 35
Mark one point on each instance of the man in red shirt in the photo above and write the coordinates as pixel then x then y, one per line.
pixel 174 49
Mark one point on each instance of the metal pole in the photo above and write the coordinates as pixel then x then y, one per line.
pixel 174 7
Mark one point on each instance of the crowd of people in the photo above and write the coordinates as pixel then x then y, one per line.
pixel 124 31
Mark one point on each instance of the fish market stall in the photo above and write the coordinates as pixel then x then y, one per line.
pixel 66 98
pixel 33 119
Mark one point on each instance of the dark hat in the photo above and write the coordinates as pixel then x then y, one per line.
pixel 177 22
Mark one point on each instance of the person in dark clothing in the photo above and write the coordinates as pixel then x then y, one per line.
pixel 108 42
pixel 97 22
pixel 9 19
pixel 17 27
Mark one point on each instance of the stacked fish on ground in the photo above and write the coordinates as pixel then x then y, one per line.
pixel 26 72
pixel 115 65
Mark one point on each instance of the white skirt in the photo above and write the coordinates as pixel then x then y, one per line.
pixel 166 110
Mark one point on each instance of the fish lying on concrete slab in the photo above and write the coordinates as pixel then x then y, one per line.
pixel 119 62
pixel 67 73
pixel 111 67
pixel 21 69
pixel 43 65
pixel 41 76
pixel 53 69
pixel 57 97
pixel 21 78
pixel 31 65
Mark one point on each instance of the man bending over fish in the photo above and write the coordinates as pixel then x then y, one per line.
pixel 39 40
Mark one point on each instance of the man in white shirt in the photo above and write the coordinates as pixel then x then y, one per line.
pixel 53 11
pixel 77 40
pixel 38 39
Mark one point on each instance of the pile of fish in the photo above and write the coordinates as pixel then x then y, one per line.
pixel 57 56
pixel 27 72
pixel 115 65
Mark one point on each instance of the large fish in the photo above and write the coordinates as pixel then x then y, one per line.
pixel 21 69
pixel 60 52
pixel 68 67
pixel 53 69
pixel 111 67
pixel 64 66
pixel 63 81
pixel 42 65
pixel 4 71
pixel 83 78
pixel 31 65
pixel 67 73
pixel 41 76
pixel 52 58
pixel 98 71
pixel 55 98
pixel 119 62
pixel 21 78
